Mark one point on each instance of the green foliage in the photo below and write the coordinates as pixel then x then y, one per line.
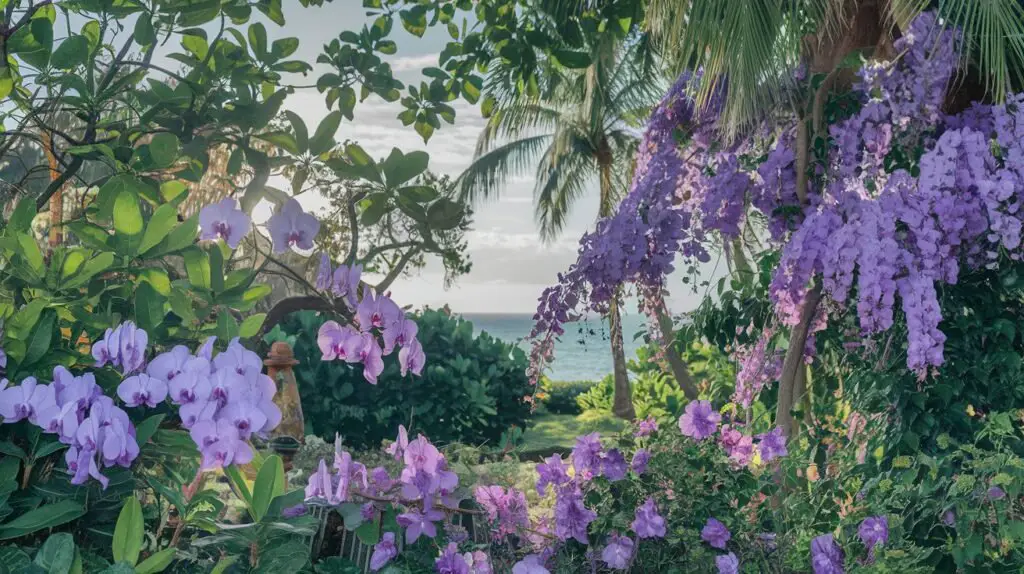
pixel 654 394
pixel 559 397
pixel 471 390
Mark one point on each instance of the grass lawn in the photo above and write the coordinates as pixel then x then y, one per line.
pixel 556 433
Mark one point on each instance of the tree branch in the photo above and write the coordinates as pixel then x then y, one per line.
pixel 396 270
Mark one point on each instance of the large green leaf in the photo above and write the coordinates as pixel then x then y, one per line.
pixel 197 265
pixel 376 207
pixel 269 484
pixel 418 193
pixel 145 430
pixel 149 306
pixel 251 325
pixel 301 132
pixel 129 532
pixel 283 140
pixel 22 216
pixel 445 214
pixel 127 215
pixel 323 138
pixel 290 556
pixel 158 562
pixel 164 149
pixel 258 40
pixel 71 53
pixel 164 219
pixel 180 237
pixel 57 554
pixel 38 344
pixel 96 265
pixel 400 168
pixel 46 516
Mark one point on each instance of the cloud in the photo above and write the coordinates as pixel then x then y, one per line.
pixel 409 63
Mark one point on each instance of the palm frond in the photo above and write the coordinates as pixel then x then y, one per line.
pixel 993 38
pixel 487 175
pixel 517 119
pixel 562 175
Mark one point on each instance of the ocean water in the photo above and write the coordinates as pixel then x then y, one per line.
pixel 584 351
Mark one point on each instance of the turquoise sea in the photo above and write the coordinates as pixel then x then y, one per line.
pixel 584 351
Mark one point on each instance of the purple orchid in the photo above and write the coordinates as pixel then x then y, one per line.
pixel 699 421
pixel 205 351
pixel 619 552
pixel 397 448
pixel 319 486
pixel 337 342
pixel 401 333
pixel 648 523
pixel 133 341
pixel 383 552
pixel 246 417
pixel 29 400
pixel 187 388
pixel 223 220
pixel 219 444
pixel 291 226
pixel 372 359
pixel 715 533
pixel 142 389
pixel 450 561
pixel 167 366
pixel 345 283
pixel 119 445
pixel 418 523
pixel 412 358
pixel 377 311
pixel 236 357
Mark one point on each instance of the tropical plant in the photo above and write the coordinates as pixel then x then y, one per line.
pixel 472 391
pixel 582 128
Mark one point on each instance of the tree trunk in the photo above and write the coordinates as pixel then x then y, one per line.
pixel 622 407
pixel 794 363
pixel 675 358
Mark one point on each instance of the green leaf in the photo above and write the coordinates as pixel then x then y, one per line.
pixel 235 161
pixel 38 344
pixel 376 207
pixel 71 53
pixel 399 168
pixel 6 83
pixel 118 568
pixel 29 251
pixel 46 516
pixel 369 532
pixel 251 325
pixel 572 59
pixel 445 214
pixel 227 327
pixel 223 564
pixel 238 485
pixel 164 219
pixel 414 20
pixel 284 47
pixel 164 149
pixel 301 133
pixel 127 216
pixel 21 218
pixel 283 140
pixel 91 31
pixel 129 532
pixel 258 40
pixel 418 193
pixel 170 190
pixel 157 562
pixel 291 556
pixel 46 449
pixel 57 554
pixel 425 130
pixel 179 238
pixel 197 266
pixel 149 306
pixel 269 484
pixel 145 430
pixel 323 139
pixel 97 264
pixel 157 278
pixel 22 322
pixel 145 35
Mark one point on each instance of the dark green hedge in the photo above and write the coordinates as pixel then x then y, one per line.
pixel 471 389
pixel 560 396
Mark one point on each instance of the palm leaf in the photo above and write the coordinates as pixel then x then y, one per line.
pixel 486 176
pixel 562 175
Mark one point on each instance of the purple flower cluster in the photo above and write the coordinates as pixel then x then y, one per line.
pixel 97 432
pixel 505 508
pixel 376 314
pixel 826 555
pixel 700 420
pixel 758 366
pixel 222 400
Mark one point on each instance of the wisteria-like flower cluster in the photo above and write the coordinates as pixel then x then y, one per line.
pixel 873 233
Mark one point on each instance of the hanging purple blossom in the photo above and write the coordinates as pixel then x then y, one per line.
pixel 345 283
pixel 383 552
pixel 323 273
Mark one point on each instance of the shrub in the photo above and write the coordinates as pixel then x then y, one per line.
pixel 560 396
pixel 471 390
pixel 654 394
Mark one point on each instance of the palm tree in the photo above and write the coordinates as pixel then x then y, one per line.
pixel 583 126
